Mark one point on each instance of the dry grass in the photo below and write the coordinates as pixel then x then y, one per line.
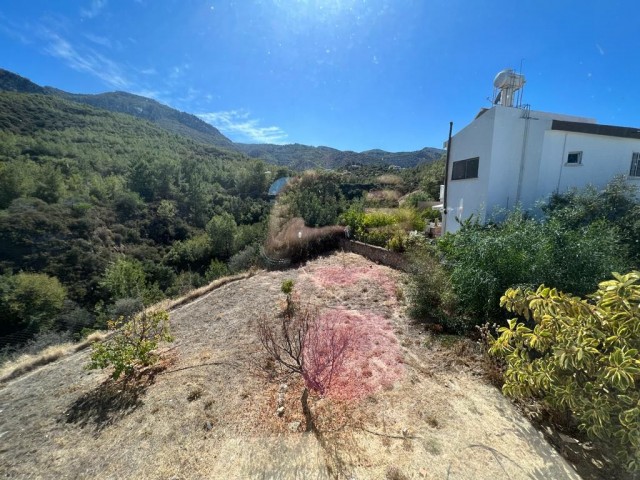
pixel 26 363
pixel 29 362
pixel 173 303
pixel 209 416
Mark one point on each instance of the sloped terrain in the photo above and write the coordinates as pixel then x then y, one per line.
pixel 211 413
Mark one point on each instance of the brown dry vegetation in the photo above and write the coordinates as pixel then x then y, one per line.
pixel 209 413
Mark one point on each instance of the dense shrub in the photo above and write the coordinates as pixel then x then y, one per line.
pixel 486 260
pixel 215 270
pixel 581 356
pixel 431 296
pixel 384 228
pixel 244 260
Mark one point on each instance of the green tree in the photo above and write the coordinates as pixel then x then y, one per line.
pixel 316 197
pixel 29 301
pixel 222 231
pixel 133 346
pixel 125 278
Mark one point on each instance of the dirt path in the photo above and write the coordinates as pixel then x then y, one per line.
pixel 208 416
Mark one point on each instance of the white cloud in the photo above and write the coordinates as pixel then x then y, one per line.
pixel 94 9
pixel 88 60
pixel 98 40
pixel 238 125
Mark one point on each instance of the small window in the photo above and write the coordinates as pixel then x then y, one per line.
pixel 635 165
pixel 465 169
pixel 574 158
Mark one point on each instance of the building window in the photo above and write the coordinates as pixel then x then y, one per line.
pixel 574 158
pixel 465 169
pixel 635 165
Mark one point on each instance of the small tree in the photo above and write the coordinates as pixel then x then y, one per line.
pixel 580 356
pixel 133 345
pixel 301 345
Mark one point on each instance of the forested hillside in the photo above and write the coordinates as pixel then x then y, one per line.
pixel 296 156
pixel 100 211
pixel 301 157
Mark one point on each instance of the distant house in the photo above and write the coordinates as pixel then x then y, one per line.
pixel 511 155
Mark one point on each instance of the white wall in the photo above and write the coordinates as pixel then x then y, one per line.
pixel 475 140
pixel 602 159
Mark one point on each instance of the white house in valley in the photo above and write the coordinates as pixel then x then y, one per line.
pixel 511 155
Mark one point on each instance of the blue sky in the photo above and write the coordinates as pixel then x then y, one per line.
pixel 350 74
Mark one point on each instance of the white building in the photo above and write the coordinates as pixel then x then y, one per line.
pixel 510 155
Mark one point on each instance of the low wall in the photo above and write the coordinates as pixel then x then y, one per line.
pixel 376 254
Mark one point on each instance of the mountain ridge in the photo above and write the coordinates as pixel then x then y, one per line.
pixel 297 156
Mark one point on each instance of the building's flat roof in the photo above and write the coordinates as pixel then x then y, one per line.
pixel 595 129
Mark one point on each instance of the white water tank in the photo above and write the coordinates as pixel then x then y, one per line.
pixel 508 82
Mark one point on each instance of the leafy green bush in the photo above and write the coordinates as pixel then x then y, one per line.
pixel 430 294
pixel 580 356
pixel 244 260
pixel 133 345
pixel 616 204
pixel 215 270
pixel 222 231
pixel 125 278
pixel 486 260
pixel 387 229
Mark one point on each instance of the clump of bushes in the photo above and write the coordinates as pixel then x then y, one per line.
pixel 384 228
pixel 577 241
pixel 430 292
pixel 579 356
pixel 315 197
pixel 486 260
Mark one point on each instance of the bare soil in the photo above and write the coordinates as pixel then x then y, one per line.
pixel 208 413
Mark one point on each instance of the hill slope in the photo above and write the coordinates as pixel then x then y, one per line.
pixel 81 187
pixel 296 156
pixel 209 415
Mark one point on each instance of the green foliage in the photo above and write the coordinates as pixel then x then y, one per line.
pixel 216 269
pixel 384 228
pixel 78 184
pixel 486 260
pixel 194 253
pixel 287 286
pixel 222 231
pixel 616 205
pixel 431 177
pixel 133 345
pixel 245 259
pixel 580 356
pixel 315 197
pixel 430 294
pixel 30 302
pixel 125 278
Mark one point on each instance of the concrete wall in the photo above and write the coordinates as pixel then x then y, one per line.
pixel 602 159
pixel 375 254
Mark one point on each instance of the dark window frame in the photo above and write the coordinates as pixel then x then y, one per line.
pixel 634 171
pixel 578 156
pixel 465 169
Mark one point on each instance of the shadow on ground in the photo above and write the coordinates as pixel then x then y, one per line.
pixel 109 402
